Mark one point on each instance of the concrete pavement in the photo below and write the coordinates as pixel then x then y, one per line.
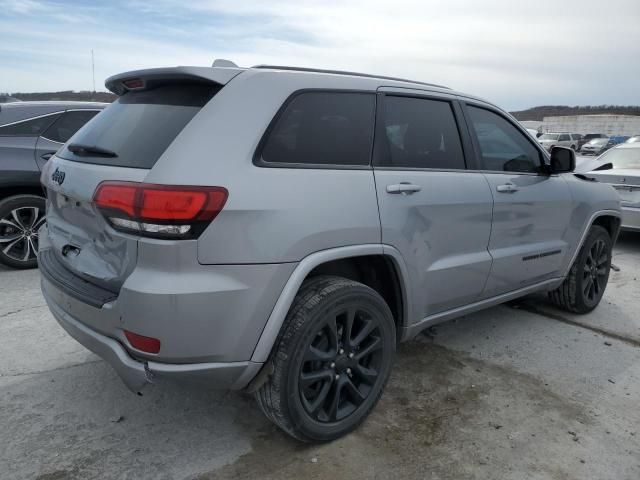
pixel 517 391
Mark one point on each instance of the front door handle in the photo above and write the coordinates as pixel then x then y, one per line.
pixel 47 156
pixel 507 188
pixel 404 188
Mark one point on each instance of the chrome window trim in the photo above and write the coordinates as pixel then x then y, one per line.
pixel 32 118
pixel 52 141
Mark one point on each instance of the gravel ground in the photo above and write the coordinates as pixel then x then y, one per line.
pixel 518 391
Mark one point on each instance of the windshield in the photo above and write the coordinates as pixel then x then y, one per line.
pixel 598 141
pixel 549 136
pixel 623 157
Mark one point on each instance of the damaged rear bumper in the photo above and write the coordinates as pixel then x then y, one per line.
pixel 136 374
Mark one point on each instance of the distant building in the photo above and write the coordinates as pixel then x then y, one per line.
pixel 603 123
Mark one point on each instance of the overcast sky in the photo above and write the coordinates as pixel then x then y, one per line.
pixel 513 52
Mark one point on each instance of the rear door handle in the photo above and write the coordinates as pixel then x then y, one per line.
pixel 507 188
pixel 404 188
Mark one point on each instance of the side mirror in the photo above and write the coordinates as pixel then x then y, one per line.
pixel 563 160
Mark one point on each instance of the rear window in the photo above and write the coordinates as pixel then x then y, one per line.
pixel 140 125
pixel 323 128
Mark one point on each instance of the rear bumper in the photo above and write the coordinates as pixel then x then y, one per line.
pixel 630 218
pixel 136 374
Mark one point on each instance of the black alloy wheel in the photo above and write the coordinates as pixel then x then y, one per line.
pixel 331 361
pixel 595 272
pixel 587 280
pixel 341 365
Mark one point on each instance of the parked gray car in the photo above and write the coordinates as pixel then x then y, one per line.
pixel 30 132
pixel 280 230
pixel 594 146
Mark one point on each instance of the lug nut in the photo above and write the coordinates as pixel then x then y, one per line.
pixel 333 365
pixel 351 355
pixel 341 351
pixel 337 376
pixel 348 371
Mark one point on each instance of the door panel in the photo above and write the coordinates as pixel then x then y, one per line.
pixel 531 209
pixel 44 150
pixel 442 232
pixel 437 214
pixel 528 233
pixel 16 154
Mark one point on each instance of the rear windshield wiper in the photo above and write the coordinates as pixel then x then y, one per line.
pixel 80 149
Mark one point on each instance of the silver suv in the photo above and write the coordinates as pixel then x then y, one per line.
pixel 280 230
pixel 550 140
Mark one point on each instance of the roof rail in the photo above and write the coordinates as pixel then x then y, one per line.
pixel 342 72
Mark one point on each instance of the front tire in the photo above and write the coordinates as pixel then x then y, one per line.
pixel 331 361
pixel 20 218
pixel 584 287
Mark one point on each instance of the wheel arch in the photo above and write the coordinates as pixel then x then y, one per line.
pixel 608 219
pixel 348 262
pixel 28 189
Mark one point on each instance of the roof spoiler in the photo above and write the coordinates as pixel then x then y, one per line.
pixel 153 77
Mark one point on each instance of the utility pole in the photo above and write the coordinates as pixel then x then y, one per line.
pixel 93 71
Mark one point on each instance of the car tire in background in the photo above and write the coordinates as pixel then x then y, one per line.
pixel 20 218
pixel 583 288
pixel 331 361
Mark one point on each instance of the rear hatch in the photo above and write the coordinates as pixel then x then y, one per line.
pixel 121 144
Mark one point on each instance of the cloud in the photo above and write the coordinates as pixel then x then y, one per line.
pixel 515 53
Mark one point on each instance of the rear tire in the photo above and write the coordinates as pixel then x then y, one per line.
pixel 584 287
pixel 20 218
pixel 331 361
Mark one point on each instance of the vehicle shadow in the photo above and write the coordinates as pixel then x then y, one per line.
pixel 628 242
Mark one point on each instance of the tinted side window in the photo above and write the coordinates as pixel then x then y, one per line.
pixel 419 133
pixel 64 128
pixel 323 128
pixel 503 147
pixel 564 138
pixel 28 128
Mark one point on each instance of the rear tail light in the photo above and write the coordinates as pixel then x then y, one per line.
pixel 161 211
pixel 142 343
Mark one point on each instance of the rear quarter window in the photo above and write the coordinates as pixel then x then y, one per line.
pixel 66 126
pixel 140 125
pixel 321 128
pixel 28 128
